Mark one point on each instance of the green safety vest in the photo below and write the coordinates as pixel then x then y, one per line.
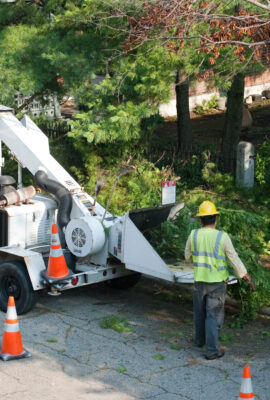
pixel 209 259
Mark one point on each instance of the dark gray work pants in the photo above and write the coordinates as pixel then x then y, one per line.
pixel 208 305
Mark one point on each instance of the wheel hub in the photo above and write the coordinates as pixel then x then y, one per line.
pixel 12 287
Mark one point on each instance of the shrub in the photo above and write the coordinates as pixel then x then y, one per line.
pixel 262 171
pixel 206 106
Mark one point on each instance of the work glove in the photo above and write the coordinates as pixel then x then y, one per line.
pixel 250 281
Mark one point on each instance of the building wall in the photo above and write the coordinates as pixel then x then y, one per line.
pixel 199 93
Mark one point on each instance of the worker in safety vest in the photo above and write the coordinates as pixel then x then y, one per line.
pixel 209 250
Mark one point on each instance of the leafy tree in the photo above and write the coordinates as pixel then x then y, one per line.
pixel 36 50
pixel 208 29
pixel 76 39
pixel 197 40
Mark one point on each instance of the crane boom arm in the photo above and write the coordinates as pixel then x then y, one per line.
pixel 30 147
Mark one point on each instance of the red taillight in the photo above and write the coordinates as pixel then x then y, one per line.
pixel 75 281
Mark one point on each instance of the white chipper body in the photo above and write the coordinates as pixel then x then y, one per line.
pixel 97 245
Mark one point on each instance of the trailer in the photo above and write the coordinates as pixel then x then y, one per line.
pixel 97 245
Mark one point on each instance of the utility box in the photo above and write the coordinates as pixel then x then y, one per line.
pixel 245 164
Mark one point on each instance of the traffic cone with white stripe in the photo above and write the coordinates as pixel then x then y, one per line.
pixel 246 391
pixel 12 347
pixel 57 266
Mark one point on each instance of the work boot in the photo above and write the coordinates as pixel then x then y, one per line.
pixel 215 356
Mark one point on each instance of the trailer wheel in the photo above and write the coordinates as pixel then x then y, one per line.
pixel 125 282
pixel 14 281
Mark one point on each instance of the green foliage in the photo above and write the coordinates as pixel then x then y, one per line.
pixel 36 47
pixel 190 171
pixel 115 323
pixel 140 188
pixel 225 338
pixel 158 356
pixel 108 124
pixel 214 179
pixel 199 169
pixel 265 335
pixel 175 346
pixel 52 340
pixel 262 172
pixel 249 230
pixel 121 105
pixel 170 238
pixel 121 369
pixel 206 106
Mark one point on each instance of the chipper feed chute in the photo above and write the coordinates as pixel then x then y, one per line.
pixel 138 254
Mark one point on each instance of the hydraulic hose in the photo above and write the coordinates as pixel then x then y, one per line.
pixel 62 195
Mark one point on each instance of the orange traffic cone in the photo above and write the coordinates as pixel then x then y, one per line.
pixel 12 347
pixel 57 267
pixel 246 391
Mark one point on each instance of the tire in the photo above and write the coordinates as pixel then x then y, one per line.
pixel 125 282
pixel 14 281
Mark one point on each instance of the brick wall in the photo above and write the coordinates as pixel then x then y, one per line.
pixel 258 79
pixel 250 80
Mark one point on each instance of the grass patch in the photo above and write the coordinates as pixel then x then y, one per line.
pixel 179 334
pixel 121 369
pixel 115 323
pixel 61 351
pixel 52 340
pixel 224 338
pixel 187 320
pixel 265 335
pixel 167 297
pixel 176 334
pixel 186 297
pixel 158 356
pixel 175 346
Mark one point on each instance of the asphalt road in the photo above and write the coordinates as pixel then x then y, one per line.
pixel 150 357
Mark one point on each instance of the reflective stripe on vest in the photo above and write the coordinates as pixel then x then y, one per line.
pixel 214 255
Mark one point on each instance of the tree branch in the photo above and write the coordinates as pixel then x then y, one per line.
pixel 259 4
pixel 28 101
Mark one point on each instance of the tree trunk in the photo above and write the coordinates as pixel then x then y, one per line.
pixel 233 123
pixel 183 117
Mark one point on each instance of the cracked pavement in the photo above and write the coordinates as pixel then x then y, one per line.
pixel 72 355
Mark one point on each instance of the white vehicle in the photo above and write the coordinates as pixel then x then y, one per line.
pixel 97 246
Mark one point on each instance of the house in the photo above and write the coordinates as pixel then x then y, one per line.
pixel 51 109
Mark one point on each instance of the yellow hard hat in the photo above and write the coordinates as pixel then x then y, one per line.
pixel 207 208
